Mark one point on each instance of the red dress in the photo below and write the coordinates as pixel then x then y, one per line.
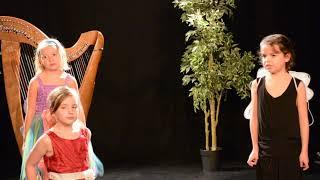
pixel 69 156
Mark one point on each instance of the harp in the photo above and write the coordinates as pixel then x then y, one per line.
pixel 19 39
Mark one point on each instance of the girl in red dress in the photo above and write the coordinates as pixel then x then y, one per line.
pixel 64 147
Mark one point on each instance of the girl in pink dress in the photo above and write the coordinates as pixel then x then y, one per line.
pixel 65 146
pixel 50 65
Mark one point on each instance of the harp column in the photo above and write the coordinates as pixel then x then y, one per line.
pixel 11 71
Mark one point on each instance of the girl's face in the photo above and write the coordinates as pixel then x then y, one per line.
pixel 67 112
pixel 273 59
pixel 50 58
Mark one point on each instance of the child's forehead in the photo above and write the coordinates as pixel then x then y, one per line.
pixel 271 48
pixel 69 99
pixel 48 49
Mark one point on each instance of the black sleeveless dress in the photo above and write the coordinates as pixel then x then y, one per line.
pixel 278 135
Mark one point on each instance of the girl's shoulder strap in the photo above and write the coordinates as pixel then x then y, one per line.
pixel 37 77
pixel 258 81
pixel 85 132
pixel 261 73
pixel 305 78
pixel 50 133
pixel 295 82
pixel 68 78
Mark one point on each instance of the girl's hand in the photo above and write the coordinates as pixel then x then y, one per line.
pixel 304 160
pixel 253 158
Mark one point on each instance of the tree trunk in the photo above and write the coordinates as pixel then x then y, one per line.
pixel 214 116
pixel 213 124
pixel 206 126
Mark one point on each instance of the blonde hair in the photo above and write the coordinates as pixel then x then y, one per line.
pixel 62 52
pixel 58 95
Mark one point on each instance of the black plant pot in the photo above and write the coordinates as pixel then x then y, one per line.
pixel 210 160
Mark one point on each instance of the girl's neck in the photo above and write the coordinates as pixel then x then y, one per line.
pixel 278 76
pixel 65 131
pixel 54 73
pixel 62 127
pixel 53 77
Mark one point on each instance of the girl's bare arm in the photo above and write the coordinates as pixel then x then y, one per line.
pixel 31 105
pixel 40 149
pixel 303 117
pixel 254 116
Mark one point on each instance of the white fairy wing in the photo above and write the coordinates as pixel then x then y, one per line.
pixel 304 77
pixel 261 73
pixel 248 111
pixel 309 93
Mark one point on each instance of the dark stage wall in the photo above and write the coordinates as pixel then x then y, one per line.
pixel 140 112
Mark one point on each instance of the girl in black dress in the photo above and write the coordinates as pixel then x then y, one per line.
pixel 279 121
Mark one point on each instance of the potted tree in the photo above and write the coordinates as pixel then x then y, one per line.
pixel 212 64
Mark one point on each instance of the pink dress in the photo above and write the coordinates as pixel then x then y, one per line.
pixel 43 92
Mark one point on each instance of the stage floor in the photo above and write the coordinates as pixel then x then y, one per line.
pixel 187 172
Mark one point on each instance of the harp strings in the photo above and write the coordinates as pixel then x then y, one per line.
pixel 78 66
pixel 27 68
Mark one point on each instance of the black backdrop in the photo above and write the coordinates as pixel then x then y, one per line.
pixel 140 112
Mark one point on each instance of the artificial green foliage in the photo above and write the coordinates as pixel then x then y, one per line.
pixel 212 62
